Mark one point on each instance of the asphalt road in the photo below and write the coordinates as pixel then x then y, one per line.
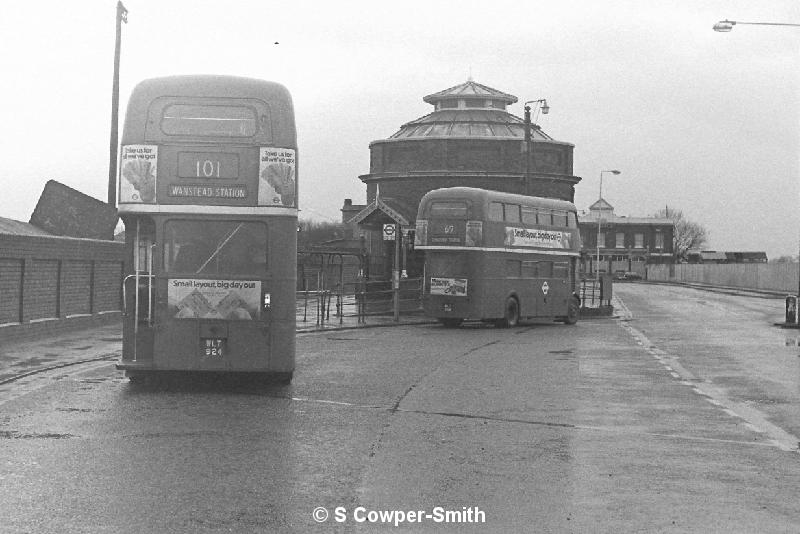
pixel 681 415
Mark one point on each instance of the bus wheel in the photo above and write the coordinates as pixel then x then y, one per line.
pixel 511 318
pixel 573 311
pixel 451 322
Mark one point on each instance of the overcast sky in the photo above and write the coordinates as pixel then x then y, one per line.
pixel 701 121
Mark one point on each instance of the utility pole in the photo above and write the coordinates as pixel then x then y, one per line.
pixel 122 16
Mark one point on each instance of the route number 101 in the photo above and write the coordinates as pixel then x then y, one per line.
pixel 207 169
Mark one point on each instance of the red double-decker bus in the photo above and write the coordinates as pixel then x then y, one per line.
pixel 498 257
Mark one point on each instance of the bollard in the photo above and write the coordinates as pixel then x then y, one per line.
pixel 791 310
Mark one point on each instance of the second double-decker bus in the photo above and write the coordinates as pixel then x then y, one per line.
pixel 208 195
pixel 498 257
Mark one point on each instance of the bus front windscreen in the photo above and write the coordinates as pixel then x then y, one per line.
pixel 215 248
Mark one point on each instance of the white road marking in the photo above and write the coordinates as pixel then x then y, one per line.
pixel 753 418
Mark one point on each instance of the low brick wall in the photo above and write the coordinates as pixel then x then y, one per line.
pixel 53 283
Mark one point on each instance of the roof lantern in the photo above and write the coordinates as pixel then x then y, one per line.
pixel 469 109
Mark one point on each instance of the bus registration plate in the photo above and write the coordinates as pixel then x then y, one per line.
pixel 212 347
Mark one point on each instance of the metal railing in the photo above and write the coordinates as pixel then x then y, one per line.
pixel 359 300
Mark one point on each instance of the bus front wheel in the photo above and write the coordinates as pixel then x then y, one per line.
pixel 511 317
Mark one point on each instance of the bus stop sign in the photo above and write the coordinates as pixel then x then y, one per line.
pixel 388 232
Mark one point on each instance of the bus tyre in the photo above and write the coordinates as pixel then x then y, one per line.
pixel 511 318
pixel 573 311
pixel 451 322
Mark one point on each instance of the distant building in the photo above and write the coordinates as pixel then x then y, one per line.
pixel 468 140
pixel 625 243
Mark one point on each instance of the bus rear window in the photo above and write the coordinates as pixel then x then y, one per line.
pixel 448 209
pixel 209 121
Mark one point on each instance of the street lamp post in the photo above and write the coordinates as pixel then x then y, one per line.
pixel 122 16
pixel 726 26
pixel 538 104
pixel 599 225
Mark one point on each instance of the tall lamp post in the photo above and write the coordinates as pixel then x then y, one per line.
pixel 726 26
pixel 122 16
pixel 538 104
pixel 599 224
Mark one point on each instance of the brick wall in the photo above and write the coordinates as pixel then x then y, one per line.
pixel 50 283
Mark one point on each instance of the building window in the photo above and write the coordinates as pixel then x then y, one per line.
pixel 638 240
pixel 659 240
pixel 620 240
pixel 601 240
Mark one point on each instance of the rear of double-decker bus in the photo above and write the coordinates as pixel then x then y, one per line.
pixel 498 257
pixel 207 191
pixel 449 229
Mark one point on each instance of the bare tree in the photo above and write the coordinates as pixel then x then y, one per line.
pixel 317 232
pixel 688 235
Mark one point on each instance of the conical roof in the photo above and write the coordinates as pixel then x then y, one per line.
pixel 469 89
pixel 469 109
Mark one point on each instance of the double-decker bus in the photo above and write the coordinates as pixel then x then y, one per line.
pixel 207 191
pixel 498 257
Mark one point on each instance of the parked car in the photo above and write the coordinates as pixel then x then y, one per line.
pixel 632 275
pixel 619 275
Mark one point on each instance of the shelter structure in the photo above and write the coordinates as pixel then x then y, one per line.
pixel 469 139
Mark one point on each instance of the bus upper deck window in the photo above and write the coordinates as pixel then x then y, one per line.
pixel 448 209
pixel 573 221
pixel 512 213
pixel 208 120
pixel 496 211
pixel 528 215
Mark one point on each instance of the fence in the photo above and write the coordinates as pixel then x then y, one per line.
pixel 338 302
pixel 779 277
pixel 47 283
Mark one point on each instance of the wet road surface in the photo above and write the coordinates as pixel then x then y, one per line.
pixel 654 422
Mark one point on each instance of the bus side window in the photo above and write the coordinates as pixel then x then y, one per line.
pixel 572 219
pixel 529 269
pixel 513 268
pixel 544 218
pixel 545 269
pixel 561 270
pixel 528 215
pixel 496 211
pixel 512 213
pixel 559 218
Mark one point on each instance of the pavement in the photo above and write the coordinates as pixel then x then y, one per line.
pixel 21 357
